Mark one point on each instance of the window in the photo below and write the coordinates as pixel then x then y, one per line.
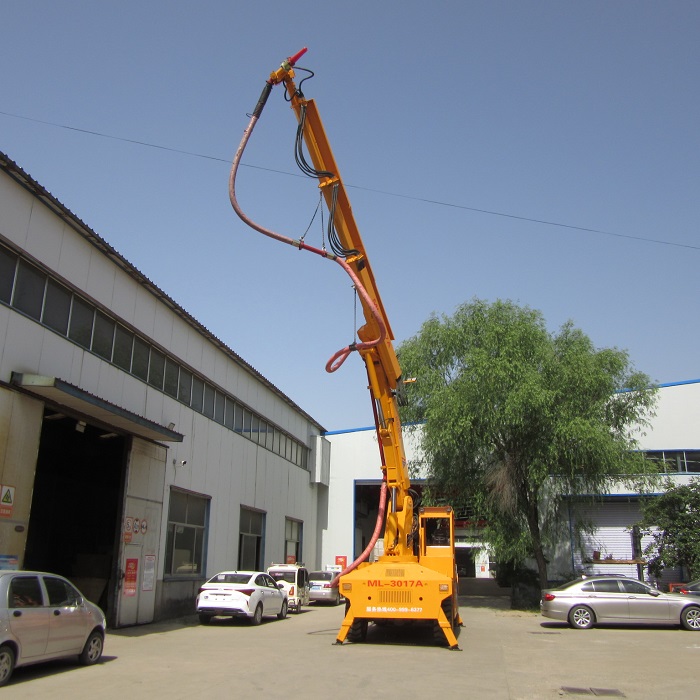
pixel 672 461
pixel 156 369
pixel 219 405
pixel 228 415
pixel 57 307
pixel 8 263
pixel 103 336
pixel 184 391
pixel 250 544
pixel 208 407
pixel 605 586
pixel 139 362
pixel 61 593
pixel 187 524
pixel 123 344
pixel 292 540
pixel 634 587
pixel 81 317
pixel 197 394
pixel 172 371
pixel 29 290
pixel 25 592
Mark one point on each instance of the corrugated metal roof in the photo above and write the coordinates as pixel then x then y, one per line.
pixel 31 185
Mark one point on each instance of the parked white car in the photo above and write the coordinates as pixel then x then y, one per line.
pixel 251 594
pixel 321 591
pixel 295 579
pixel 45 617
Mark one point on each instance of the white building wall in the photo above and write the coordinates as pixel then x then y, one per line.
pixel 228 468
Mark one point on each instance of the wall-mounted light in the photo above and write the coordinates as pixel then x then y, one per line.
pixel 171 426
pixel 80 426
pixel 179 462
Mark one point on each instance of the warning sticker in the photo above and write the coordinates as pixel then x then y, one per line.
pixel 7 500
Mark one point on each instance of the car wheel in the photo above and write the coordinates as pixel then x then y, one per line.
pixel 690 618
pixel 283 612
pixel 204 619
pixel 92 651
pixel 337 598
pixel 7 663
pixel 257 615
pixel 581 617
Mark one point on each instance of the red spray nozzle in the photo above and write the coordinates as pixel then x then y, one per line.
pixel 293 59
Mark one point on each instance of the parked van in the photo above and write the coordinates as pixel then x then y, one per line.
pixel 295 578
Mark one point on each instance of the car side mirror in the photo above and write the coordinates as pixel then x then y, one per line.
pixel 653 592
pixel 280 586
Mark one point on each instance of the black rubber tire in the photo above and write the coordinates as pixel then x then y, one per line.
pixel 581 617
pixel 92 651
pixel 205 618
pixel 690 618
pixel 7 663
pixel 358 631
pixel 283 612
pixel 257 616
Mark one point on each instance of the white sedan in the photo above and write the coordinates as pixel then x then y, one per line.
pixel 251 594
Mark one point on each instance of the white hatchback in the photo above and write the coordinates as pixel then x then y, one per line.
pixel 251 594
pixel 45 617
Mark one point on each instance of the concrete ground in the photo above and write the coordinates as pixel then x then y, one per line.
pixel 505 654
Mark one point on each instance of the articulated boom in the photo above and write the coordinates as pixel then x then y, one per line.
pixel 415 579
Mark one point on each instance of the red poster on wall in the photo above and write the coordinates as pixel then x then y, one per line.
pixel 131 576
pixel 341 561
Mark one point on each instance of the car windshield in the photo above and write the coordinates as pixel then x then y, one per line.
pixel 230 578
pixel 288 576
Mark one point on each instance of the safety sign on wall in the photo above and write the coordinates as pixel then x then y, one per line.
pixel 131 575
pixel 7 500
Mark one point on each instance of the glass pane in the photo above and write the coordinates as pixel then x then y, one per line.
pixel 184 550
pixel 139 362
pixel 25 592
pixel 184 392
pixel 8 263
pixel 247 419
pixel 57 307
pixel 238 419
pixel 29 290
pixel 81 318
pixel 123 342
pixel 197 394
pixel 269 437
pixel 255 428
pixel 208 404
pixel 103 336
pixel 196 510
pixel 228 416
pixel 172 372
pixel 156 369
pixel 178 507
pixel 219 404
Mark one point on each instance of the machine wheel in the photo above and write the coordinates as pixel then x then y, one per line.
pixel 257 615
pixel 204 618
pixel 7 663
pixel 297 608
pixel 690 618
pixel 283 612
pixel 358 631
pixel 92 651
pixel 581 617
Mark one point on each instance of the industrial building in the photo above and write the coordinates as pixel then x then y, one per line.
pixel 138 453
pixel 673 440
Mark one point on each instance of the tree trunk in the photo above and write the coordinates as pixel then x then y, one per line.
pixel 533 522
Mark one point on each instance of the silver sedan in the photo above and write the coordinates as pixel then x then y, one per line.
pixel 594 600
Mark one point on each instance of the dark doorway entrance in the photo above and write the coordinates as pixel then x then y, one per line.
pixel 466 565
pixel 76 505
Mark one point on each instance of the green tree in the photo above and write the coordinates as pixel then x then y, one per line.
pixel 673 521
pixel 514 417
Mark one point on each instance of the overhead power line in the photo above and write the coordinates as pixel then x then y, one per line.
pixel 414 198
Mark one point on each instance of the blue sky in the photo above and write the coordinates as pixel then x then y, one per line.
pixel 543 152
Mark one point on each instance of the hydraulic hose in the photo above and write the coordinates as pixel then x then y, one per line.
pixel 341 355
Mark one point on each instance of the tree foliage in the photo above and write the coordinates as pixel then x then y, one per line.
pixel 673 521
pixel 505 405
